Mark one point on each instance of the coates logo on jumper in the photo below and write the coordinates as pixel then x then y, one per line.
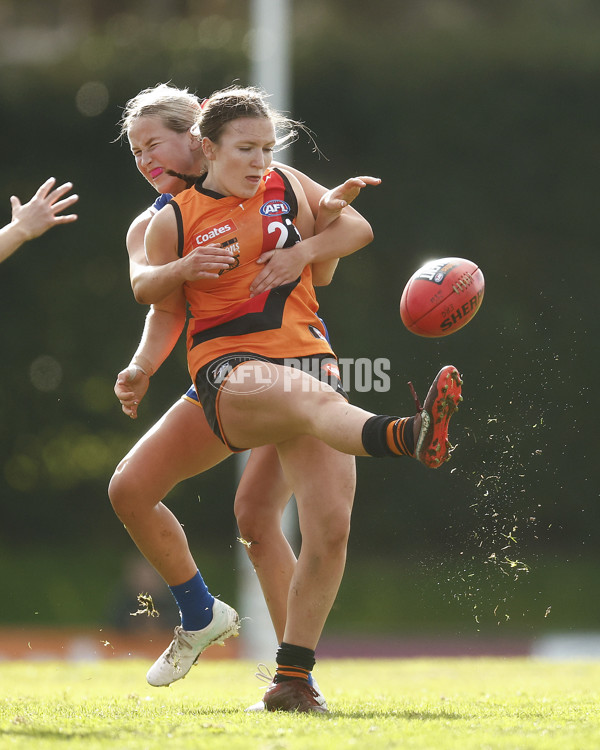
pixel 216 232
pixel 274 208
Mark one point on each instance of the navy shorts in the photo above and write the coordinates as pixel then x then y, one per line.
pixel 191 394
pixel 212 377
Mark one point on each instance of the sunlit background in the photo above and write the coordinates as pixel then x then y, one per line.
pixel 483 121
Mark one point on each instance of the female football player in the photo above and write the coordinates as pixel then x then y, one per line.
pixel 263 367
pixel 157 124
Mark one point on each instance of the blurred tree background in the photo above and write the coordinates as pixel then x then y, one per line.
pixel 483 121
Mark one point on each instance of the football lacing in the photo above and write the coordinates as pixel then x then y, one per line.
pixel 461 284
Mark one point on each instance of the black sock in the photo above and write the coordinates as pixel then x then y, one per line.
pixel 293 662
pixel 384 436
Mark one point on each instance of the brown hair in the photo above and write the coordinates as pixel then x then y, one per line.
pixel 232 103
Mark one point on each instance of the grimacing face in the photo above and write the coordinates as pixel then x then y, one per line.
pixel 156 148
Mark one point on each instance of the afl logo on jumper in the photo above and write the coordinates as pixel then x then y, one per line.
pixel 274 208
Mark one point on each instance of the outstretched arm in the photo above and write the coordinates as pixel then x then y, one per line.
pixel 334 206
pixel 341 231
pixel 32 219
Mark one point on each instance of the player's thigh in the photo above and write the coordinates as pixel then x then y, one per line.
pixel 270 404
pixel 180 445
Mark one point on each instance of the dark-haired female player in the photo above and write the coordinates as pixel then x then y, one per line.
pixel 240 355
pixel 157 123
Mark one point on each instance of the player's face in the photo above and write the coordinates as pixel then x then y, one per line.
pixel 238 161
pixel 157 148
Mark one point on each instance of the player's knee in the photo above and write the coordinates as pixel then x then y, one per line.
pixel 243 516
pixel 122 491
pixel 339 532
pixel 252 523
pixel 331 532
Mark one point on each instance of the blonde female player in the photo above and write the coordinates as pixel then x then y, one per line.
pixel 264 370
pixel 157 123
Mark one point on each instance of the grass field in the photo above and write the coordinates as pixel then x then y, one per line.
pixel 451 704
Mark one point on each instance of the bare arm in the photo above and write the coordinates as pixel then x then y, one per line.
pixel 32 219
pixel 161 332
pixel 334 206
pixel 152 283
pixel 341 231
pixel 162 327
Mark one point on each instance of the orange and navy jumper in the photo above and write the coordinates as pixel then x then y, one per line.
pixel 225 321
pixel 278 324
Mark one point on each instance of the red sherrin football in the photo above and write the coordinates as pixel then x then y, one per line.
pixel 442 297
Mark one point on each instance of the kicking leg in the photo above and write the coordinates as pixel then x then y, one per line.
pixel 298 404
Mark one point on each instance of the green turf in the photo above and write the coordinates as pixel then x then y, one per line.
pixel 444 704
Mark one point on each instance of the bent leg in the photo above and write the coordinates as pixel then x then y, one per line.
pixel 267 403
pixel 295 404
pixel 260 501
pixel 180 445
pixel 324 481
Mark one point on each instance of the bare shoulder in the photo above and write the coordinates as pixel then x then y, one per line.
pixel 136 232
pixel 161 236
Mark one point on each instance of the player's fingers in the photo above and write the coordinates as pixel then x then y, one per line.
pixel 259 281
pixel 265 257
pixel 65 219
pixel 15 203
pixel 337 203
pixel 208 271
pixel 369 180
pixel 217 260
pixel 211 250
pixel 127 376
pixel 60 205
pixel 61 190
pixel 129 411
pixel 45 188
pixel 264 285
pixel 64 204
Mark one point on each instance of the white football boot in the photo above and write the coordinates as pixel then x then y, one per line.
pixel 187 645
pixel 264 674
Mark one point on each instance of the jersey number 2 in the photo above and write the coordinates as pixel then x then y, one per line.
pixel 277 226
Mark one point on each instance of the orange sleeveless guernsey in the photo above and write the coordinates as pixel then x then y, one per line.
pixel 224 318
